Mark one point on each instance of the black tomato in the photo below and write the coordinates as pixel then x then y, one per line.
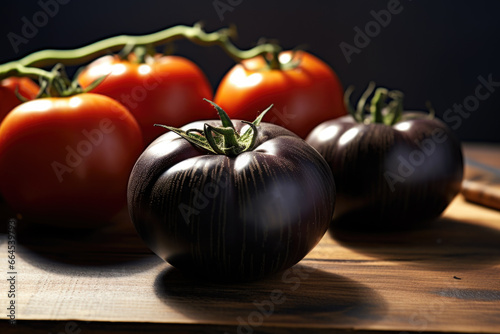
pixel 392 169
pixel 231 206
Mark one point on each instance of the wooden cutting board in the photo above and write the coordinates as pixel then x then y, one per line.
pixel 441 278
pixel 482 175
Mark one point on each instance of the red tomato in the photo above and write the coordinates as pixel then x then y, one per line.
pixel 303 96
pixel 66 161
pixel 165 90
pixel 8 99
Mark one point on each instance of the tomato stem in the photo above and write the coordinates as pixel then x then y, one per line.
pixel 274 63
pixel 224 139
pixel 364 98
pixel 195 34
pixel 140 52
pixel 229 144
pixel 381 111
pixel 377 103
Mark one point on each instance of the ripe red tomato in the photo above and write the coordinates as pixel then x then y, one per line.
pixel 66 161
pixel 8 99
pixel 165 90
pixel 303 96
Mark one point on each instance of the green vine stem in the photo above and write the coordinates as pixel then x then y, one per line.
pixel 18 70
pixel 87 53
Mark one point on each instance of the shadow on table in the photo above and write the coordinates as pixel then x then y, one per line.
pixel 299 295
pixel 113 250
pixel 444 243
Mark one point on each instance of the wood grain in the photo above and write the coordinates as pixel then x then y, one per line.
pixel 482 179
pixel 444 277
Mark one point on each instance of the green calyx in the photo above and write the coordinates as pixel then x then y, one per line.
pixel 140 53
pixel 57 84
pixel 273 61
pixel 386 106
pixel 223 139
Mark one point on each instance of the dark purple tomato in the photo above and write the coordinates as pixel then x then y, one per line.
pixel 392 169
pixel 234 216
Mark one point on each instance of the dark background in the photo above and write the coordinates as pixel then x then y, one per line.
pixel 432 50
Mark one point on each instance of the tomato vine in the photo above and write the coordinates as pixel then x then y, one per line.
pixel 31 65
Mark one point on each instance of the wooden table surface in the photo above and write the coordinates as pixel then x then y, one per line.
pixel 442 278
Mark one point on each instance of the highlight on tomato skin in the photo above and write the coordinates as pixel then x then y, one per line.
pixel 65 161
pixel 393 169
pixel 161 89
pixel 233 215
pixel 305 93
